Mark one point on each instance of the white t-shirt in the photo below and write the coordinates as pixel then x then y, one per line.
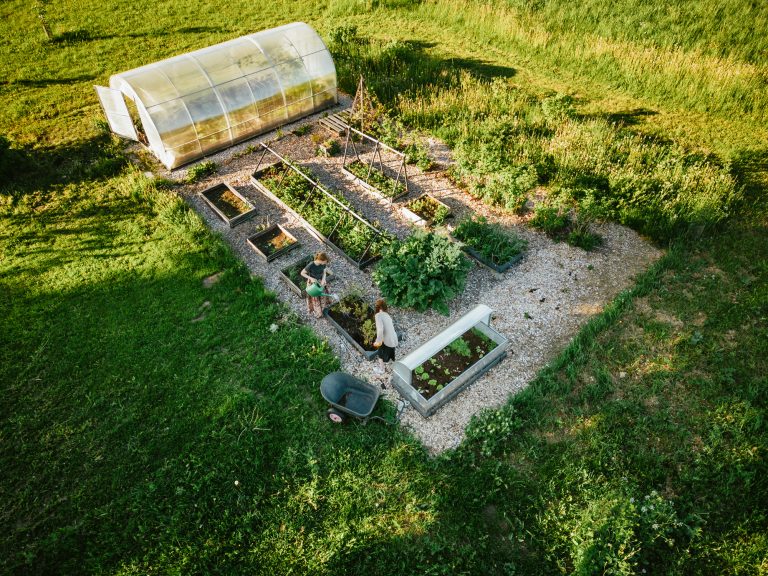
pixel 385 330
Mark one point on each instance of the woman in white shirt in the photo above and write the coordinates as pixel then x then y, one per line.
pixel 386 337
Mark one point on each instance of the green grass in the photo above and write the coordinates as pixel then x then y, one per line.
pixel 151 425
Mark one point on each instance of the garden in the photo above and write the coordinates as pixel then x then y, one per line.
pixel 160 403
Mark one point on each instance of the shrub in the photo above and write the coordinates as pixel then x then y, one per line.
pixel 424 271
pixel 200 171
pixel 552 219
pixel 490 240
pixel 558 107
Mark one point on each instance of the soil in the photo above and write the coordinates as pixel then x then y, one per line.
pixel 273 242
pixel 229 204
pixel 452 362
pixel 353 322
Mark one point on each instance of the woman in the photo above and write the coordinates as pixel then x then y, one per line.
pixel 317 272
pixel 386 337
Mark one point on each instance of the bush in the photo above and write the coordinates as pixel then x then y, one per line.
pixel 200 171
pixel 490 240
pixel 552 219
pixel 425 271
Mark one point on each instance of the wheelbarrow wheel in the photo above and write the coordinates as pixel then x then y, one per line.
pixel 335 416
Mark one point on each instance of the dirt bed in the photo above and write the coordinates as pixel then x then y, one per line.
pixel 539 304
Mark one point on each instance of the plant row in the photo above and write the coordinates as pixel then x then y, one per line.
pixel 329 214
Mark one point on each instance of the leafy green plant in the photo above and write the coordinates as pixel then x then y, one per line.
pixel 424 271
pixel 200 171
pixel 373 176
pixel 368 329
pixel 460 347
pixel 418 153
pixel 552 219
pixel 490 240
pixel 328 148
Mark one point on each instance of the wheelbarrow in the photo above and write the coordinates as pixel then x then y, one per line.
pixel 350 396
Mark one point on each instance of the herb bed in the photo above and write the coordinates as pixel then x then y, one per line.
pixel 228 204
pixel 489 244
pixel 427 211
pixel 272 242
pixel 355 321
pixel 328 217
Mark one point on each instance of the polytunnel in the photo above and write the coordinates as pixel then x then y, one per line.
pixel 194 104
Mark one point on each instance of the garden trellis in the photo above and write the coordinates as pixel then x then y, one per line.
pixel 371 169
pixel 326 216
pixel 191 105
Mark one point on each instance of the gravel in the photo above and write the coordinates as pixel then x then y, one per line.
pixel 539 304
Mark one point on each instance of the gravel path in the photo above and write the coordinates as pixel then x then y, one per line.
pixel 539 305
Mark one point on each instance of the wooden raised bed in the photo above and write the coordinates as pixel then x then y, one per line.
pixel 358 224
pixel 372 187
pixel 272 242
pixel 291 275
pixel 355 320
pixel 228 204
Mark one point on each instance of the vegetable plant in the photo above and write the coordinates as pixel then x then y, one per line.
pixel 373 176
pixel 490 240
pixel 424 271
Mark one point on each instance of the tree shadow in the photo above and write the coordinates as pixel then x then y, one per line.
pixel 44 82
pixel 28 168
pixel 631 117
pixel 750 168
pixel 403 67
pixel 82 35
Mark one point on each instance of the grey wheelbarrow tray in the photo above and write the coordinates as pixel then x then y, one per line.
pixel 349 395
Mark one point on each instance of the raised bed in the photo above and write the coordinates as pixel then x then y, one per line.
pixel 426 210
pixel 228 204
pixel 372 173
pixel 374 180
pixel 272 242
pixel 489 244
pixel 450 364
pixel 327 217
pixel 355 321
pixel 291 275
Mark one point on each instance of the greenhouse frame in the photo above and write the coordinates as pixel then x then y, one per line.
pixel 191 105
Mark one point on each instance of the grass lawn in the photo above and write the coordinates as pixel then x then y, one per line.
pixel 152 425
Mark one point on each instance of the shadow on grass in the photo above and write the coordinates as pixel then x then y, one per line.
pixel 82 35
pixel 403 67
pixel 750 167
pixel 29 168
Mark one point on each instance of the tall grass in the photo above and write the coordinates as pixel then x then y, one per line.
pixel 508 141
pixel 730 81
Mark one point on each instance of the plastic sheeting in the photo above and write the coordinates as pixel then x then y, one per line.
pixel 203 101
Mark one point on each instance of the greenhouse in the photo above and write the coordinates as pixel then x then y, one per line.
pixel 191 105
